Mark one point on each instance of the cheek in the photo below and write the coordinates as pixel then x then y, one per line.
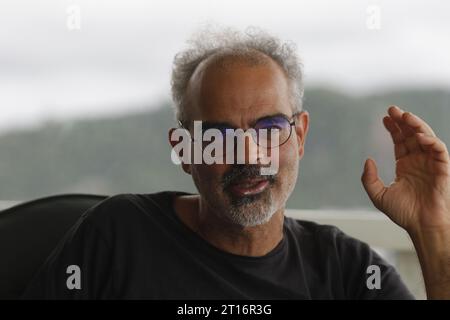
pixel 288 170
pixel 288 165
pixel 288 155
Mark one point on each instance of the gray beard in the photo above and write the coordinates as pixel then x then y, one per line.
pixel 252 210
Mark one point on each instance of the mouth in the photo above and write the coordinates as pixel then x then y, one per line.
pixel 249 186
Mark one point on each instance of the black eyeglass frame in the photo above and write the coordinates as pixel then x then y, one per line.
pixel 291 123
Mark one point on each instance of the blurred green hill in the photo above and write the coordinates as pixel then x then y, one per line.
pixel 131 153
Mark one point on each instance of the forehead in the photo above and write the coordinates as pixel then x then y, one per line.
pixel 237 89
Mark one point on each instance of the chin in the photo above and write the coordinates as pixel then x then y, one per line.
pixel 252 211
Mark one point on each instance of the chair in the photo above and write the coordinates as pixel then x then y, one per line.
pixel 30 231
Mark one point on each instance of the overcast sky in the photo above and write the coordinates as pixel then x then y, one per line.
pixel 120 58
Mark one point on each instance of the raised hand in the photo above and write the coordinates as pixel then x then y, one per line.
pixel 418 199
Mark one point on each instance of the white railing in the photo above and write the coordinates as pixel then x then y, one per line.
pixel 372 227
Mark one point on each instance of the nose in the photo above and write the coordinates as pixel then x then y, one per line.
pixel 249 152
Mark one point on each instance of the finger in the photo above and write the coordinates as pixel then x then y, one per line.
pixel 398 139
pixel 393 128
pixel 372 183
pixel 397 115
pixel 410 140
pixel 436 146
pixel 417 124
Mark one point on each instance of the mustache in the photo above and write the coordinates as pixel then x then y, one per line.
pixel 240 172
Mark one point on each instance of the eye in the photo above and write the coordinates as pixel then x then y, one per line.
pixel 271 126
pixel 274 127
pixel 273 123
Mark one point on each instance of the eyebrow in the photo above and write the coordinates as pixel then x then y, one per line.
pixel 210 124
pixel 279 114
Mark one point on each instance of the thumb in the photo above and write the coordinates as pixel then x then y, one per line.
pixel 372 183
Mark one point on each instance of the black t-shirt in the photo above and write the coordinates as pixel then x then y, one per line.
pixel 133 246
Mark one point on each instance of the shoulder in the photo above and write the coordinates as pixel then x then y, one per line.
pixel 129 205
pixel 325 234
pixel 331 244
pixel 353 259
pixel 127 213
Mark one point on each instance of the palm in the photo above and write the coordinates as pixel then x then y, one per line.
pixel 422 183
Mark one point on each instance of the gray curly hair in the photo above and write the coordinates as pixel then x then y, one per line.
pixel 230 42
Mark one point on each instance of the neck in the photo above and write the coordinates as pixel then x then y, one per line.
pixel 246 241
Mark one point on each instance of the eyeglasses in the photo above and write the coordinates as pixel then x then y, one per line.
pixel 268 132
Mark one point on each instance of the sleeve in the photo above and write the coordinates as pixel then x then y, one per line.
pixel 367 276
pixel 80 267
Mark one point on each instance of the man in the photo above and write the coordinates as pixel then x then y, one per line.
pixel 232 240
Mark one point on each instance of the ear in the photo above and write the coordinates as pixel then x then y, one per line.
pixel 301 130
pixel 186 167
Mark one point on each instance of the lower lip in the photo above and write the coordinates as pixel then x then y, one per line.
pixel 255 188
